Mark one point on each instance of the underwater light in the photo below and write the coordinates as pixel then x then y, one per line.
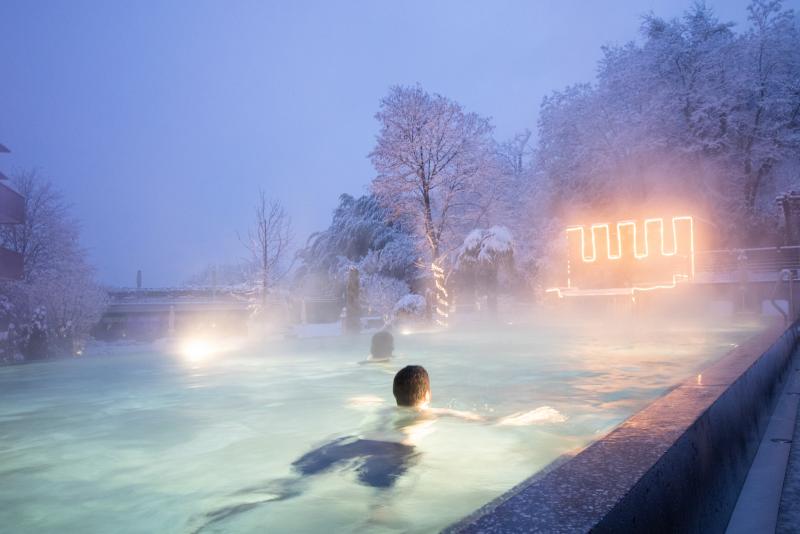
pixel 196 349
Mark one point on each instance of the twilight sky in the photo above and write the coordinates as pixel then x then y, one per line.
pixel 159 121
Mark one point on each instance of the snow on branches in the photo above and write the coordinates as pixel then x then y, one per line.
pixel 432 159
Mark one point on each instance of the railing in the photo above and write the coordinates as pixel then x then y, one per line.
pixel 780 265
pixel 751 260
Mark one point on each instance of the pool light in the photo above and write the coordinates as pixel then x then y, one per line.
pixel 196 349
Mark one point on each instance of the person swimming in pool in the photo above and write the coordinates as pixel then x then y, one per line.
pixel 380 461
pixel 381 347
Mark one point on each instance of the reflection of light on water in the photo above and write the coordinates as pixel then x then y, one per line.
pixel 414 433
pixel 202 348
pixel 405 331
pixel 543 414
pixel 364 401
pixel 196 349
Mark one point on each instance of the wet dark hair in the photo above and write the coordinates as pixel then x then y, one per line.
pixel 382 345
pixel 411 383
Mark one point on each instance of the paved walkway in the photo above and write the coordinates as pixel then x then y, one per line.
pixel 789 511
pixel 770 497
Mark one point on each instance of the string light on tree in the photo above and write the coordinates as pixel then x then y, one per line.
pixel 442 304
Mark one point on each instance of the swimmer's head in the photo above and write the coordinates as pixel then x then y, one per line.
pixel 412 387
pixel 382 345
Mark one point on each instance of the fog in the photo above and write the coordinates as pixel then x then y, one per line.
pixel 160 122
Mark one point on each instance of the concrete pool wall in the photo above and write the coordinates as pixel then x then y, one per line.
pixel 675 466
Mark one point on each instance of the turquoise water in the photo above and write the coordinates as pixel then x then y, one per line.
pixel 145 439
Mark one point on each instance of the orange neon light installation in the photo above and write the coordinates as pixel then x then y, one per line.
pixel 629 256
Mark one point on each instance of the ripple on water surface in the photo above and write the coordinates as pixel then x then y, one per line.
pixel 143 440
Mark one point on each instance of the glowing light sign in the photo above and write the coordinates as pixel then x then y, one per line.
pixel 628 256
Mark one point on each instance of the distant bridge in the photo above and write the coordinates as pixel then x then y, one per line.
pixel 750 274
pixel 151 313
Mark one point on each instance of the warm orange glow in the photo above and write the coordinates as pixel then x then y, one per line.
pixel 633 248
pixel 442 306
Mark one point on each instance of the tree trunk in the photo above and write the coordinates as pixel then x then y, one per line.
pixel 491 291
pixel 352 318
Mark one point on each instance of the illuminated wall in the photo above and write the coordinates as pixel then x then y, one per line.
pixel 629 256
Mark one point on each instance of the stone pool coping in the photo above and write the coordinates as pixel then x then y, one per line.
pixel 676 465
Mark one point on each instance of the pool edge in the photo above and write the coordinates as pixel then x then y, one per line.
pixel 676 465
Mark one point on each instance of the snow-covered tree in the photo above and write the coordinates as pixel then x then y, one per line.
pixel 432 159
pixel 380 293
pixel 58 302
pixel 513 155
pixel 696 118
pixel 767 128
pixel 482 254
pixel 360 235
pixel 49 236
pixel 431 156
pixel 491 246
pixel 410 308
pixel 514 180
pixel 268 241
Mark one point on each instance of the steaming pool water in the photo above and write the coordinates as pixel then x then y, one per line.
pixel 139 439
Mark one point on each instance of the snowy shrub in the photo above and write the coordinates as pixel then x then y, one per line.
pixel 361 235
pixel 487 247
pixel 411 305
pixel 36 346
pixel 58 301
pixel 360 226
pixel 480 258
pixel 380 293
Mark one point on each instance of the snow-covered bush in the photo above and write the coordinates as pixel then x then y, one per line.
pixel 56 304
pixel 480 258
pixel 381 293
pixel 7 329
pixel 411 306
pixel 361 235
pixel 487 247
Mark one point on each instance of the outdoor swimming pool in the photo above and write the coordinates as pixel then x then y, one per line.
pixel 136 439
